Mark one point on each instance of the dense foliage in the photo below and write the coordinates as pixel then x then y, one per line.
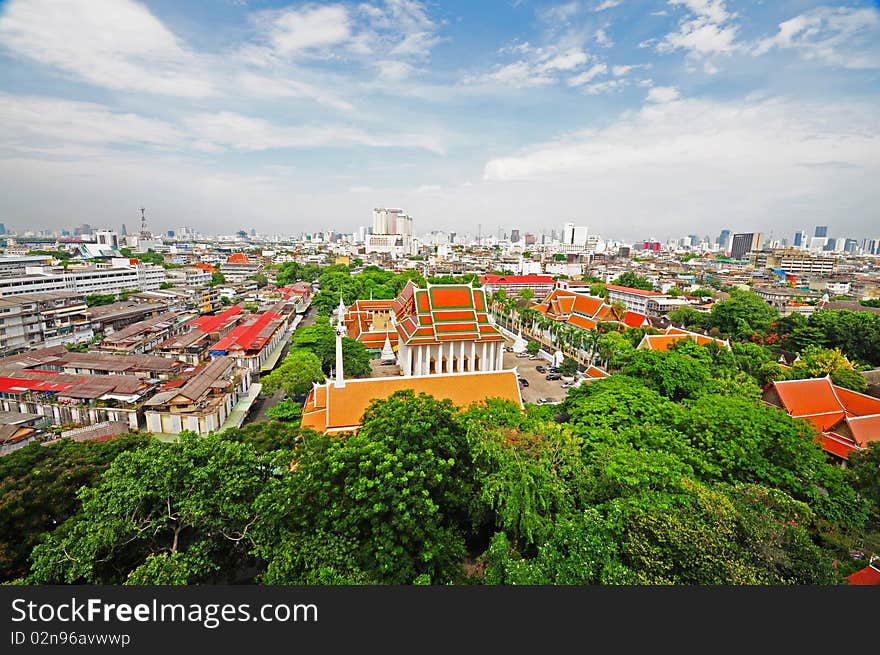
pixel 671 471
pixel 320 340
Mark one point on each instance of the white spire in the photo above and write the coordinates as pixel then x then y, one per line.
pixel 340 311
pixel 340 332
pixel 387 351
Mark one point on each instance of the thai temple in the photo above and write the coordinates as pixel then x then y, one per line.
pixel 442 338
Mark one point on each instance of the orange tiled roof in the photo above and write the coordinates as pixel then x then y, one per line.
pixel 441 313
pixel 634 319
pixel 329 408
pixel 662 342
pixel 832 409
pixel 870 575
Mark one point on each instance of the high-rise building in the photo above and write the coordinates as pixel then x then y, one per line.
pixel 124 231
pixel 514 235
pixel 850 246
pixel 2 228
pixel 745 242
pixel 694 240
pixel 723 238
pixel 800 239
pixel 821 231
pixel 574 235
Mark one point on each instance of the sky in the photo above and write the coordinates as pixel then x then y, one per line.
pixel 649 119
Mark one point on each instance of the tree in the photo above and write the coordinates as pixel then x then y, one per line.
pixel 687 317
pixel 389 502
pixel 217 278
pixel 166 285
pixel 97 299
pixel 533 347
pixel 320 339
pixel 296 374
pixel 260 279
pixel 251 307
pixel 568 368
pixel 287 410
pixel 674 374
pixel 816 361
pixel 633 281
pixel 167 513
pixel 742 315
pixel 39 487
pixel 525 295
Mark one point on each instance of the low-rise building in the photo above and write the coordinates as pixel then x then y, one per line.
pixel 202 403
pixel 251 343
pixel 42 319
pixel 144 336
pixel 191 346
pixel 540 285
pixel 636 300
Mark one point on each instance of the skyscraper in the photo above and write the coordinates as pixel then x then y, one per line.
pixel 723 238
pixel 821 231
pixel 800 239
pixel 744 243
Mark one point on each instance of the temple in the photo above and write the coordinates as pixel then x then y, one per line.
pixel 443 340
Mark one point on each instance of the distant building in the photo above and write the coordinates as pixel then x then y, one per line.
pixel 541 285
pixel 745 242
pixel 821 231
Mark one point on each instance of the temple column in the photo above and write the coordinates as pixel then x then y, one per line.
pixel 500 363
pixel 427 368
pixel 419 366
pixel 473 355
pixel 450 360
pixel 461 358
pixel 483 358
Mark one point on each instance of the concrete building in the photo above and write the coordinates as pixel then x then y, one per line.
pixel 203 403
pixel 744 243
pixel 119 275
pixel 42 319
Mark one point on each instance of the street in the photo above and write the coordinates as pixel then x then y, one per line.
pixel 264 403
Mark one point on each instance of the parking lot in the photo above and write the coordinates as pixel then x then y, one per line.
pixel 539 387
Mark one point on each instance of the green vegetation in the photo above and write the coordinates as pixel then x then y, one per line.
pixel 320 340
pixel 871 302
pixel 296 374
pixel 633 281
pixel 217 278
pixel 63 255
pixel 372 282
pixel 39 486
pixel 166 285
pixel 533 347
pixel 290 272
pixel 98 299
pixel 568 367
pixel 260 279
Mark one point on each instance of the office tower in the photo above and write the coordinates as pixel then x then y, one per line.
pixel 573 235
pixel 2 228
pixel 694 240
pixel 745 242
pixel 514 235
pixel 723 238
pixel 821 231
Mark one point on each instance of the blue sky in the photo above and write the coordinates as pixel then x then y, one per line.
pixel 641 119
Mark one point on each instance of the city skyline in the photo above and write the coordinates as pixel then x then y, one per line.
pixel 637 119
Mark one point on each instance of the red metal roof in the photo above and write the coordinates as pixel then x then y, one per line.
pixel 867 576
pixel 248 336
pixel 491 278
pixel 637 292
pixel 208 324
pixel 20 385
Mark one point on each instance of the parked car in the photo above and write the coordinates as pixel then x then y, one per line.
pixel 566 385
pixel 535 357
pixel 524 382
pixel 553 369
pixel 521 355
pixel 541 369
pixel 553 376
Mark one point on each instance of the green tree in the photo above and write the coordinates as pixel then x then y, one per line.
pixel 39 487
pixel 525 295
pixel 98 299
pixel 167 513
pixel 295 375
pixel 287 410
pixel 217 278
pixel 633 281
pixel 816 361
pixel 674 374
pixel 742 315
pixel 392 497
pixel 533 347
pixel 260 279
pixel 568 367
pixel 166 285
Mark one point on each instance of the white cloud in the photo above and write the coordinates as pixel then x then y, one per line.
pixel 602 39
pixel 235 131
pixel 690 134
pixel 262 86
pixel 394 71
pixel 620 71
pixel 560 13
pixel 116 44
pixel 845 37
pixel 586 76
pixel 605 87
pixel 661 94
pixel 565 61
pixel 707 31
pixel 293 31
pixel 51 124
pixel 607 4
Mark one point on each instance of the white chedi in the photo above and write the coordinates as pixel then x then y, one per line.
pixel 519 344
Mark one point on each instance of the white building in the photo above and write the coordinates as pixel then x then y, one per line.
pixel 119 275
